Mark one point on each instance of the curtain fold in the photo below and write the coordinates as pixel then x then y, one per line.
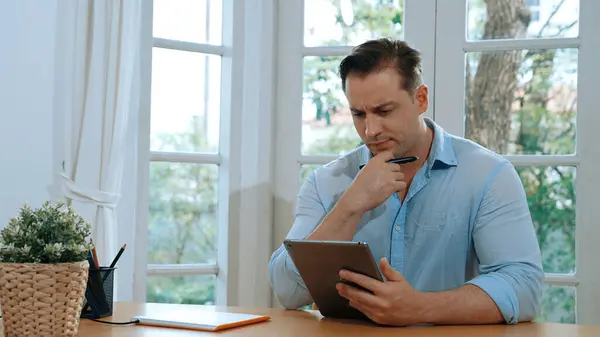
pixel 97 55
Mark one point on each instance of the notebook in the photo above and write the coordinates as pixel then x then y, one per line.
pixel 199 320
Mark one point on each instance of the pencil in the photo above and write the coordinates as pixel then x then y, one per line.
pixel 114 262
pixel 96 263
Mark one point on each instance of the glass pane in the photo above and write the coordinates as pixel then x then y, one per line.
pixel 351 22
pixel 186 101
pixel 198 21
pixel 558 305
pixel 306 169
pixel 327 125
pixel 551 198
pixel 522 102
pixel 183 213
pixel 531 19
pixel 193 289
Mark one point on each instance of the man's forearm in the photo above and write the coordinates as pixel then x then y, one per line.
pixel 340 224
pixel 468 304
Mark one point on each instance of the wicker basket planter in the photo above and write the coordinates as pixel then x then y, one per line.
pixel 42 299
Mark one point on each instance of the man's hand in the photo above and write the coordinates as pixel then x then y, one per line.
pixel 393 302
pixel 374 184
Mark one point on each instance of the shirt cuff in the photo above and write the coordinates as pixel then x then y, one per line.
pixel 501 292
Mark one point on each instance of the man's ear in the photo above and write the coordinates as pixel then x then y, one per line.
pixel 422 97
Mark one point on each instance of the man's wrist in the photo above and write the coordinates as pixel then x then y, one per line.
pixel 429 312
pixel 347 208
pixel 340 224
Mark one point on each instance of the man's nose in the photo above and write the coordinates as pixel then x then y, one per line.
pixel 373 126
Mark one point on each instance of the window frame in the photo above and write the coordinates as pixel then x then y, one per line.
pixel 239 197
pixel 452 43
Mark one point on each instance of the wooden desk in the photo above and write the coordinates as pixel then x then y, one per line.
pixel 311 323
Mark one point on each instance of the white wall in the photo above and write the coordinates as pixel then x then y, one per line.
pixel 26 113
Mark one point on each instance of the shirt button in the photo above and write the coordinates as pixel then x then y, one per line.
pixel 398 228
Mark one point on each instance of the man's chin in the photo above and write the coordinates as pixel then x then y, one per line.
pixel 394 149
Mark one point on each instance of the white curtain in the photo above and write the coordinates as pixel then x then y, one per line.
pixel 98 45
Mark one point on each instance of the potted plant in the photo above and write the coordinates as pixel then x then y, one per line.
pixel 43 271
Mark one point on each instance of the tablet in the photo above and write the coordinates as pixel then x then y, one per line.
pixel 319 263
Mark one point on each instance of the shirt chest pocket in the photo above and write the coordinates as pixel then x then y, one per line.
pixel 439 229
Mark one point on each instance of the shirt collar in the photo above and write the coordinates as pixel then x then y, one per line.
pixel 441 154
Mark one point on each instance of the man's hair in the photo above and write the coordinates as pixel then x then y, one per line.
pixel 376 55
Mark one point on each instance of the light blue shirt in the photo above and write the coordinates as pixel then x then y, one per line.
pixel 465 220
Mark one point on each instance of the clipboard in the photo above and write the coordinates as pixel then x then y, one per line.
pixel 199 320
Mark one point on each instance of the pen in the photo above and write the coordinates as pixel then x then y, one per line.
pixel 402 160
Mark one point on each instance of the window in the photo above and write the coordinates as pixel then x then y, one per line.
pixel 314 123
pixel 548 19
pixel 516 89
pixel 184 203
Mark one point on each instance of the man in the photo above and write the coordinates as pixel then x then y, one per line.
pixel 452 230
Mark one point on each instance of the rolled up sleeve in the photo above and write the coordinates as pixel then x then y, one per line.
pixel 285 281
pixel 510 268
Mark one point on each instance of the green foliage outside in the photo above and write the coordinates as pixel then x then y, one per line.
pixel 183 218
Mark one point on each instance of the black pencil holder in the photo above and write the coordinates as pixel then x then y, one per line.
pixel 98 300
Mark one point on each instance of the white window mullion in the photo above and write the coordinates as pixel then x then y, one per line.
pixel 519 44
pixel 561 279
pixel 229 148
pixel 185 157
pixel 256 141
pixel 419 20
pixel 546 160
pixel 182 269
pixel 450 66
pixel 327 51
pixel 588 180
pixel 190 46
pixel 143 156
pixel 288 132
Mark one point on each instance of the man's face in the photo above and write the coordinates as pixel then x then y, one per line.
pixel 386 116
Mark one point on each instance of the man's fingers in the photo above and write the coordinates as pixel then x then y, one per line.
pixel 389 272
pixel 399 176
pixel 374 306
pixel 362 280
pixel 360 296
pixel 395 167
pixel 385 155
pixel 362 308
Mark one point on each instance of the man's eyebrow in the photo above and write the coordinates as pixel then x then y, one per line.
pixel 379 106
